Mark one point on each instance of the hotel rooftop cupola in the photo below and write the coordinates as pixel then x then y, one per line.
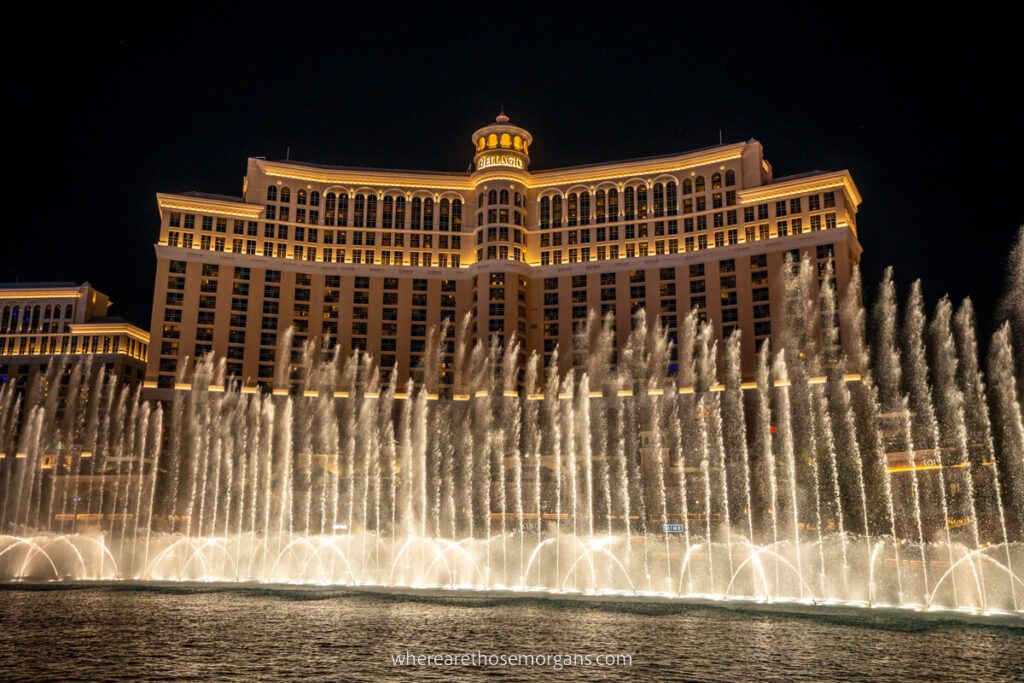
pixel 501 146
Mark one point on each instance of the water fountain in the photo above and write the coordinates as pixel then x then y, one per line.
pixel 881 473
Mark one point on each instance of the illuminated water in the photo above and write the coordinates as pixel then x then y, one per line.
pixel 884 471
pixel 187 632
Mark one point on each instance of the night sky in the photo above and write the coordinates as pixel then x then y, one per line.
pixel 105 111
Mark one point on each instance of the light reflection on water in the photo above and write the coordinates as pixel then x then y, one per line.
pixel 211 632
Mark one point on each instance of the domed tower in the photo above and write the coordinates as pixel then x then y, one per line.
pixel 500 177
pixel 501 146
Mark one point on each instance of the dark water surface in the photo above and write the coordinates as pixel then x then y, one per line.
pixel 167 632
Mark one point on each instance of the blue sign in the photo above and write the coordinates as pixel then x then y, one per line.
pixel 672 528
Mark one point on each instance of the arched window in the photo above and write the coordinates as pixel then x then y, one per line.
pixel 492 197
pixel 5 319
pixel 545 212
pixel 49 311
pixel 641 202
pixel 35 317
pixel 671 198
pixel 481 143
pixel 272 193
pixel 629 204
pixel 15 312
pixel 343 209
pixel 572 209
pixel 389 212
pixel 314 198
pixel 687 186
pixel 300 197
pixel 417 212
pixel 443 214
pixel 428 214
pixel 518 199
pixel 503 197
pixel 659 200
pixel 399 212
pixel 286 194
pixel 67 311
pixel 480 200
pixel 730 178
pixel 600 207
pixel 613 205
pixel 56 311
pixel 359 210
pixel 492 141
pixel 556 211
pixel 716 181
pixel 330 206
pixel 517 143
pixel 506 140
pixel 371 211
pixel 698 185
pixel 457 215
pixel 584 208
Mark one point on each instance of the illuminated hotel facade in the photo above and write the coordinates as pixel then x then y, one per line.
pixel 372 259
pixel 44 322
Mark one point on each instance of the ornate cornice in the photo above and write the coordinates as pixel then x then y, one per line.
pixel 221 207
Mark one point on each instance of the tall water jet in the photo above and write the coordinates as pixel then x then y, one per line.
pixel 978 424
pixel 1007 420
pixel 925 428
pixel 787 448
pixel 1011 308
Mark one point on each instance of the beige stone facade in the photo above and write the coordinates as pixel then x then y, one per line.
pixel 372 259
pixel 41 323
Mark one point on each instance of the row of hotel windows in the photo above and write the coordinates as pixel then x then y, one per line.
pixel 720 238
pixel 500 216
pixel 364 210
pixel 500 252
pixel 697 242
pixel 635 202
pixel 316 235
pixel 327 255
pixel 500 197
pixel 74 343
pixel 34 318
pixel 635 206
pixel 698 224
pixel 501 234
pixel 244 275
pixel 505 140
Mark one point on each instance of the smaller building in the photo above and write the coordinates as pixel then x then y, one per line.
pixel 41 322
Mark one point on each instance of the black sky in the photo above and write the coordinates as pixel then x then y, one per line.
pixel 105 109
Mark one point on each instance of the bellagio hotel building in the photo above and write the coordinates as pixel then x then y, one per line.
pixel 371 259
